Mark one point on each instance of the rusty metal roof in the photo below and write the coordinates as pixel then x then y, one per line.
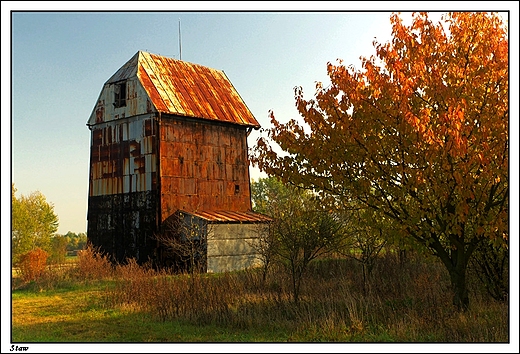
pixel 186 89
pixel 229 216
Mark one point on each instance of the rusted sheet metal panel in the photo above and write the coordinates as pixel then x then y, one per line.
pixel 126 71
pixel 226 216
pixel 182 88
pixel 199 169
pixel 160 91
pixel 124 157
pixel 156 83
pixel 151 89
pixel 137 101
pixel 193 87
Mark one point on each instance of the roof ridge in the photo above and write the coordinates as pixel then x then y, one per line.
pixel 176 87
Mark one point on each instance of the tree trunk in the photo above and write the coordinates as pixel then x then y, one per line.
pixel 460 290
pixel 456 262
pixel 296 286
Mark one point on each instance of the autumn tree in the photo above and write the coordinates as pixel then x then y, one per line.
pixel 33 223
pixel 418 134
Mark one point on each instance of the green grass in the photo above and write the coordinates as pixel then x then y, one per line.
pixel 78 315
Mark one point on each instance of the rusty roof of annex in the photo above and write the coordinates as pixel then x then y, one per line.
pixel 181 88
pixel 228 216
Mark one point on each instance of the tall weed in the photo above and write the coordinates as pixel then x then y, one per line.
pixel 404 301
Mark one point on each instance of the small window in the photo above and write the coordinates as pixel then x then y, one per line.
pixel 120 94
pixel 237 188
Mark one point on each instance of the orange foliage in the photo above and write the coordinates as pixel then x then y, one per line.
pixel 32 264
pixel 425 122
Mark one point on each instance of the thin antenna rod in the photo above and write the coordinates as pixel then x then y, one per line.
pixel 180 45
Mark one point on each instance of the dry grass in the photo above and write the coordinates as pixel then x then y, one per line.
pixel 408 302
pixel 403 302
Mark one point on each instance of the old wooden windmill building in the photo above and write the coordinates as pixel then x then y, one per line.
pixel 169 141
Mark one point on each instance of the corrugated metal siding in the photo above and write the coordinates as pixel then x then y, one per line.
pixel 137 103
pixel 203 166
pixel 159 84
pixel 121 224
pixel 126 71
pixel 226 216
pixel 186 89
pixel 123 157
pixel 233 245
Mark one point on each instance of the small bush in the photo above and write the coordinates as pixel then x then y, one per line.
pixel 92 264
pixel 32 264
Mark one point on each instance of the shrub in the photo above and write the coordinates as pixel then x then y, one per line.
pixel 32 264
pixel 92 264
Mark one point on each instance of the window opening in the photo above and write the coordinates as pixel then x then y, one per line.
pixel 120 94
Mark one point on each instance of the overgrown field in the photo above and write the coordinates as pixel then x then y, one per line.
pixel 403 301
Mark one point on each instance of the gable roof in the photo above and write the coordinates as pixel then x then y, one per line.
pixel 185 89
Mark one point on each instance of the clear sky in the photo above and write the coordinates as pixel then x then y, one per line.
pixel 60 60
